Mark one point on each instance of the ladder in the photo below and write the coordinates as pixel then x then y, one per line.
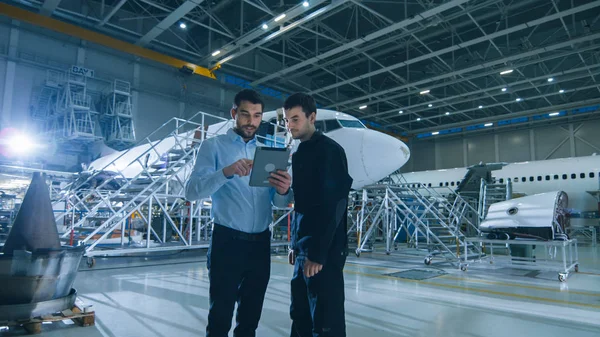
pixel 435 221
pixel 490 193
pixel 146 181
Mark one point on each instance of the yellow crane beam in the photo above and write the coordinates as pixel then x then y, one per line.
pixel 88 35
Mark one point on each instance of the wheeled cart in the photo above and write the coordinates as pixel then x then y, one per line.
pixel 558 255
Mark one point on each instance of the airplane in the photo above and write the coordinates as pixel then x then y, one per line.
pixel 537 180
pixel 371 155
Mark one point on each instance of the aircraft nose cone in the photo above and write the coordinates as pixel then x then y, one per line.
pixel 382 154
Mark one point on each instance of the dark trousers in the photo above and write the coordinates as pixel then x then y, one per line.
pixel 317 308
pixel 239 267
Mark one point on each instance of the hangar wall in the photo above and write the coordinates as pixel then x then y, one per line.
pixel 159 92
pixel 536 143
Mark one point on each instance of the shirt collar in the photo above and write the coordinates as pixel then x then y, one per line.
pixel 315 135
pixel 235 137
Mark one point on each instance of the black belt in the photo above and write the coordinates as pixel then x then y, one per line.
pixel 239 235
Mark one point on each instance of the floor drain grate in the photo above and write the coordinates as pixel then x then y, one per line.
pixel 418 274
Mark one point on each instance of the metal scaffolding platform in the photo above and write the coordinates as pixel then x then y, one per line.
pixel 117 116
pixel 136 204
pixel 431 223
pixel 64 111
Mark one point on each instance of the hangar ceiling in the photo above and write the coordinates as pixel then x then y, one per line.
pixel 414 66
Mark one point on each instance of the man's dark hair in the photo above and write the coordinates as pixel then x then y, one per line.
pixel 306 102
pixel 248 95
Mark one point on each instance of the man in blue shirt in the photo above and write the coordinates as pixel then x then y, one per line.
pixel 239 257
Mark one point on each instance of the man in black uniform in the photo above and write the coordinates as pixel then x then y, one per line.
pixel 321 184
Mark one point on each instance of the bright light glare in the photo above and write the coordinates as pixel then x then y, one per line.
pixel 518 100
pixel 280 17
pixel 447 113
pixel 430 105
pixel 400 112
pixel 504 89
pixel 305 4
pixel 550 79
pixel 20 144
pixel 481 107
pixel 265 26
pixel 554 114
pixel 362 107
pixel 216 52
pixel 506 72
pixel 182 25
pixel 435 133
pixel 418 119
pixel 561 91
pixel 424 92
pixel 489 124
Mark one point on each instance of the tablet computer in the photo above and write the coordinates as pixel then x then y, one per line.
pixel 267 160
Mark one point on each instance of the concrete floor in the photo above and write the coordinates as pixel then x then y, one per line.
pixel 171 300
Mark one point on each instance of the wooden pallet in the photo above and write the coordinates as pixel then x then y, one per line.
pixel 81 314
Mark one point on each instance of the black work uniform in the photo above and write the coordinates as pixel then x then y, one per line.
pixel 321 184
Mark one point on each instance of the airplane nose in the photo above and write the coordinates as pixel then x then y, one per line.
pixel 382 154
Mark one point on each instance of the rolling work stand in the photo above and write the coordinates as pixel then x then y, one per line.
pixel 559 256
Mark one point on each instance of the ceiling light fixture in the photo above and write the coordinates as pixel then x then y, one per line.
pixel 554 114
pixel 518 100
pixel 430 105
pixel 424 92
pixel 226 59
pixel 504 89
pixel 265 26
pixel 182 25
pixel 435 133
pixel 550 79
pixel 362 107
pixel 418 119
pixel 506 72
pixel 481 107
pixel 216 52
pixel 488 124
pixel 447 113
pixel 400 112
pixel 561 91
pixel 280 17
pixel 305 4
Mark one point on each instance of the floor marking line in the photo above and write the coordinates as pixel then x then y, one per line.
pixel 585 273
pixel 450 277
pixel 493 292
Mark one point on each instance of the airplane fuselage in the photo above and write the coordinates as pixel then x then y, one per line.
pixel 575 176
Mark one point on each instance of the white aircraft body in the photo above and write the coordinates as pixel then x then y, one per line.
pixel 539 181
pixel 372 155
pixel 575 176
pixel 539 216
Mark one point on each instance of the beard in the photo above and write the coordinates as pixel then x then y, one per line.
pixel 245 131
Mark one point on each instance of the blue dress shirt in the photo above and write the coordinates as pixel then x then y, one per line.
pixel 235 203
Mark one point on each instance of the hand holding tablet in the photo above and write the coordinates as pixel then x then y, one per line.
pixel 281 180
pixel 268 160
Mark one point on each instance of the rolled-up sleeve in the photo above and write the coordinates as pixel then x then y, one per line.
pixel 205 179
